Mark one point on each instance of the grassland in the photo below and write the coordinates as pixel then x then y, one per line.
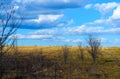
pixel 48 63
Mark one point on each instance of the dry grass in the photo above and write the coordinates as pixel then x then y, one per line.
pixel 106 67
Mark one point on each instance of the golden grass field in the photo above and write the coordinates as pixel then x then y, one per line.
pixel 105 52
pixel 106 67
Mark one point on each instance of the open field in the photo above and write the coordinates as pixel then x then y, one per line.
pixel 52 63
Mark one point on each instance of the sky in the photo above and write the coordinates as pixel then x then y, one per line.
pixel 67 22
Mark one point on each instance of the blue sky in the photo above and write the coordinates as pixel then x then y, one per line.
pixel 67 22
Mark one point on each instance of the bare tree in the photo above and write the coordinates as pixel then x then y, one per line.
pixel 93 47
pixel 9 23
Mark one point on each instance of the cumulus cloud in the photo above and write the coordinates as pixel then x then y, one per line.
pixel 40 36
pixel 84 30
pixel 71 40
pixel 20 36
pixel 40 14
pixel 103 8
pixel 103 39
pixel 110 8
pixel 60 35
pixel 88 6
pixel 114 20
pixel 44 24
pixel 36 7
pixel 99 21
pixel 46 21
pixel 45 32
pixel 47 38
pixel 47 18
pixel 106 7
pixel 116 13
pixel 78 30
pixel 59 4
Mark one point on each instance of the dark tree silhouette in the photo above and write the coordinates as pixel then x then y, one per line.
pixel 9 23
pixel 93 47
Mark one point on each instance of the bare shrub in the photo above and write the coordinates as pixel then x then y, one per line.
pixel 93 47
pixel 9 23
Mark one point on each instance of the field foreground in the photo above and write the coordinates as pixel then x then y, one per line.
pixel 54 62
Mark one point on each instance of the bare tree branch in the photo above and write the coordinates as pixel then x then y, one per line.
pixel 9 23
pixel 93 47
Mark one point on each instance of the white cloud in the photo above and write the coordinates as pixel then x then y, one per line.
pixel 112 30
pixel 45 32
pixel 68 40
pixel 23 1
pixel 48 3
pixel 105 7
pixel 42 14
pixel 112 20
pixel 77 40
pixel 20 36
pixel 91 30
pixel 116 13
pixel 88 6
pixel 16 7
pixel 99 21
pixel 83 29
pixel 47 18
pixel 43 1
pixel 78 30
pixel 103 39
pixel 39 36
